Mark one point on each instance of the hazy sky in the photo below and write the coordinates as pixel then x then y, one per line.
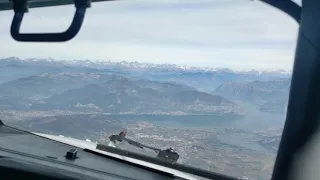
pixel 237 34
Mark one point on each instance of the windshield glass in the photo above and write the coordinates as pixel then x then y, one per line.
pixel 202 83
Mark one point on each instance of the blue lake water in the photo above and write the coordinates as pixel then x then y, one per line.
pixel 254 120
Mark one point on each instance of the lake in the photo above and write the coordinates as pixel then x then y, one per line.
pixel 254 120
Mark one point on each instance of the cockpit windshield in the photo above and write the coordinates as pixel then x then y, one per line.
pixel 204 83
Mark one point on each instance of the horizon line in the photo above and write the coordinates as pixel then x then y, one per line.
pixel 184 67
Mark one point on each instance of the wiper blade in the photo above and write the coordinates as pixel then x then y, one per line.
pixel 167 154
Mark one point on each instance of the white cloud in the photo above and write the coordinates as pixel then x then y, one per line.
pixel 239 34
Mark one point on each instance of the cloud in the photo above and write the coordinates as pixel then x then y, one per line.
pixel 237 34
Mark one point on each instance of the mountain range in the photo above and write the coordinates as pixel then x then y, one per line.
pixel 270 96
pixel 134 88
pixel 92 92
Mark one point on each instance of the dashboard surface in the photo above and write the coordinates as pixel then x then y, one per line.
pixel 23 151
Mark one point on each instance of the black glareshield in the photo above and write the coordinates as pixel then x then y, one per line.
pixel 21 6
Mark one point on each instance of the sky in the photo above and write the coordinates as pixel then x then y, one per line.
pixel 235 34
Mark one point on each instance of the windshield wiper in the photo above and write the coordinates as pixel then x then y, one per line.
pixel 165 158
pixel 167 154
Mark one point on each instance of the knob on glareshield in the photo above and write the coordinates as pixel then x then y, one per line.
pixel 72 154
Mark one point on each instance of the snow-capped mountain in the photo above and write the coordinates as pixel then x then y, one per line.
pixel 98 64
pixel 204 79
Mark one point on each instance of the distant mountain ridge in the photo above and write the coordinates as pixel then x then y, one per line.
pixel 47 84
pixel 269 95
pixel 124 96
pixel 105 93
pixel 253 89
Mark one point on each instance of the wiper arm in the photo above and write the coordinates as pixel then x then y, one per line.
pixel 166 154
